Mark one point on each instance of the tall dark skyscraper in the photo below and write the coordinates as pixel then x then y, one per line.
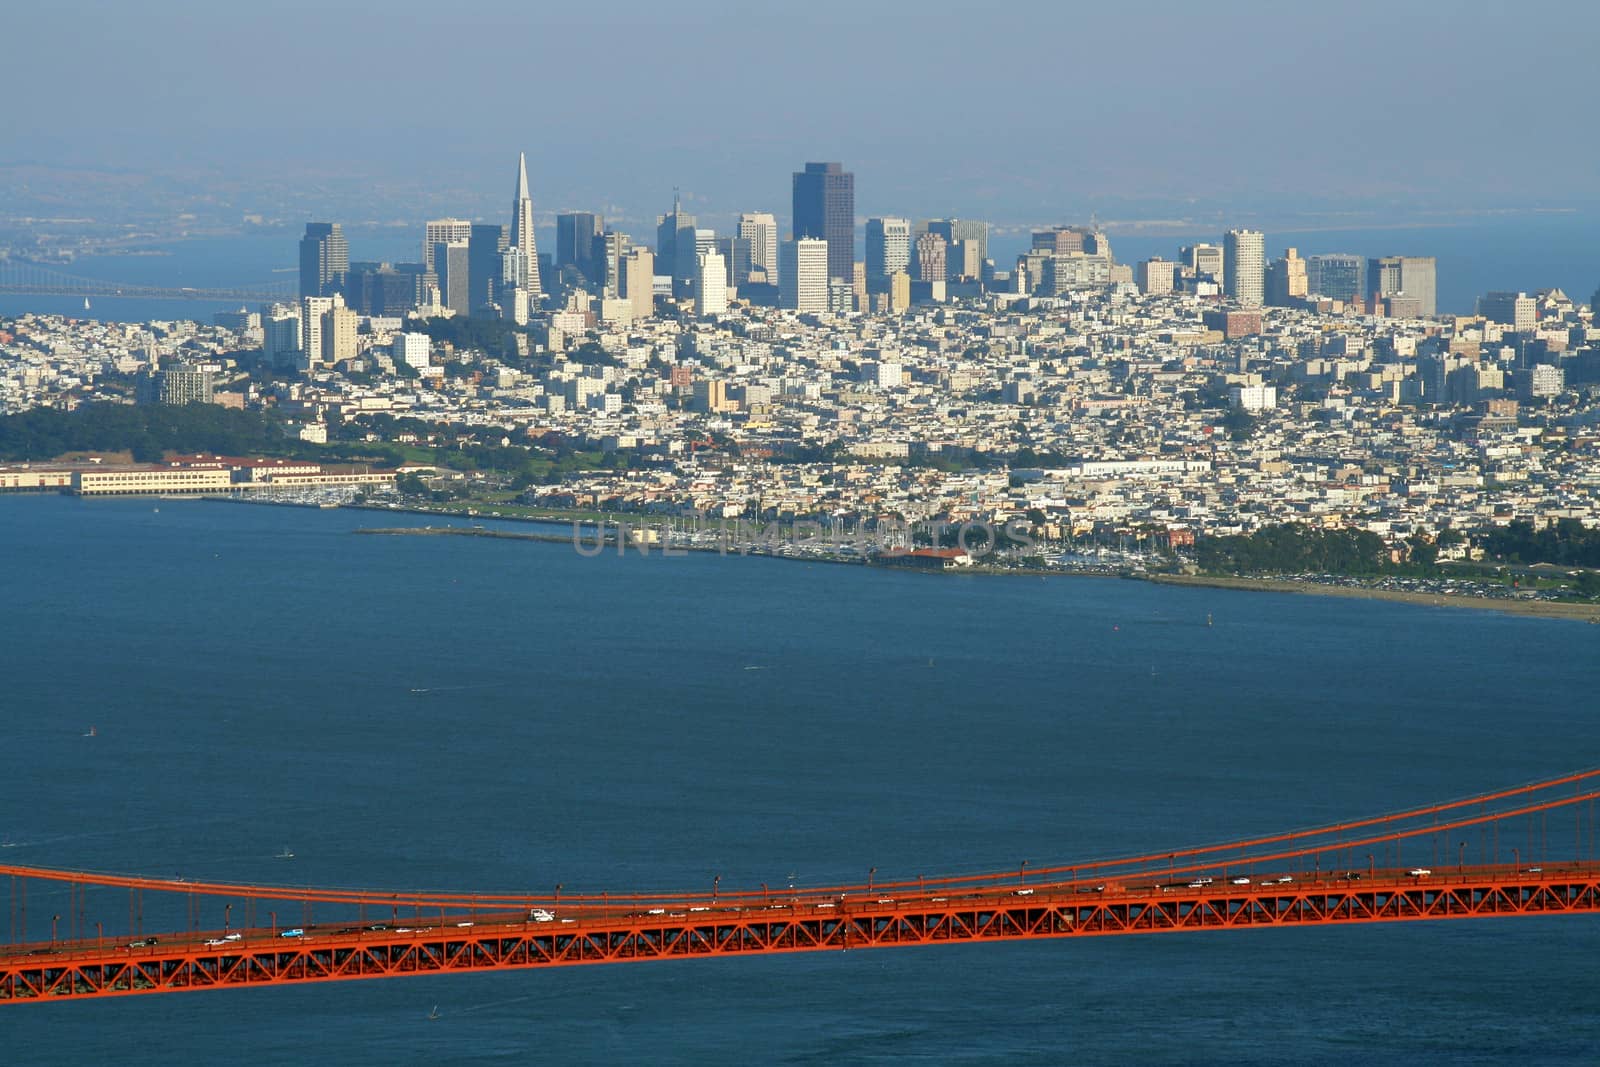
pixel 825 207
pixel 667 227
pixel 324 259
pixel 486 248
pixel 575 234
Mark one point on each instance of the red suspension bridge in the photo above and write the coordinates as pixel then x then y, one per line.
pixel 1526 850
pixel 22 277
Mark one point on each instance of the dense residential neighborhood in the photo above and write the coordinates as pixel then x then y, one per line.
pixel 1103 410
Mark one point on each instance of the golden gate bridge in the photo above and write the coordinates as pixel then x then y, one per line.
pixel 1528 850
pixel 23 277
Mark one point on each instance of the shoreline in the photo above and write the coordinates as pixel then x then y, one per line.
pixel 1546 609
pixel 1573 611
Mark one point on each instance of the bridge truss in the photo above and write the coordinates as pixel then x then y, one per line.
pixel 1301 878
pixel 23 277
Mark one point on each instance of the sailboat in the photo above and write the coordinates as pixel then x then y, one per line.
pixel 286 854
pixel 90 733
pixel 434 1014
pixel 86 303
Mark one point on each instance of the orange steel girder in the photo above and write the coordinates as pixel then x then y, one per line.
pixel 79 970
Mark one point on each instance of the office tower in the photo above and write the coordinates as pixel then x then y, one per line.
pixel 522 236
pixel 736 251
pixel 608 249
pixel 899 291
pixel 825 207
pixel 324 259
pixel 1096 243
pixel 516 269
pixel 1244 254
pixel 1337 277
pixel 1286 279
pixel 379 289
pixel 1060 273
pixel 513 306
pixel 639 281
pixel 1154 276
pixel 692 243
pixel 312 311
pixel 932 260
pixel 443 231
pixel 667 228
pixel 1539 382
pixel 841 297
pixel 711 284
pixel 486 249
pixel 803 274
pixel 411 349
pixel 575 234
pixel 179 385
pixel 888 251
pixel 1407 276
pixel 1203 261
pixel 1517 310
pixel 963 260
pixel 1059 240
pixel 451 263
pixel 761 229
pixel 338 334
pixel 955 230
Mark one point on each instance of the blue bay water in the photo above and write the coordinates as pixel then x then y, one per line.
pixel 458 713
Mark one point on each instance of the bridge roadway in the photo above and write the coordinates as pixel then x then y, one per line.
pixel 591 931
pixel 103 290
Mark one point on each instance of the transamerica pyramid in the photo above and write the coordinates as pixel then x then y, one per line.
pixel 522 227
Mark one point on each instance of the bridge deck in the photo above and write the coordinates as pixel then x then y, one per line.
pixel 587 932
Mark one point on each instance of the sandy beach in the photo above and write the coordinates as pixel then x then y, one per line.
pixel 1589 612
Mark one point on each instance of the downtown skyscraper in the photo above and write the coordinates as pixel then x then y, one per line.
pixel 761 230
pixel 825 208
pixel 888 251
pixel 526 259
pixel 1244 266
pixel 324 259
pixel 1411 277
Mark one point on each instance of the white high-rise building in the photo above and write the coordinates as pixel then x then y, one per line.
pixel 444 232
pixel 888 250
pixel 522 230
pixel 760 228
pixel 1154 276
pixel 803 275
pixel 280 334
pixel 312 309
pixel 338 333
pixel 411 349
pixel 1244 266
pixel 711 285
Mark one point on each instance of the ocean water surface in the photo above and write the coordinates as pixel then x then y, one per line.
pixel 464 713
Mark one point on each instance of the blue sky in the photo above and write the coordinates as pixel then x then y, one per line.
pixel 1015 111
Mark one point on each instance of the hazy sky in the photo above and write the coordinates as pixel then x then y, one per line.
pixel 1015 111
